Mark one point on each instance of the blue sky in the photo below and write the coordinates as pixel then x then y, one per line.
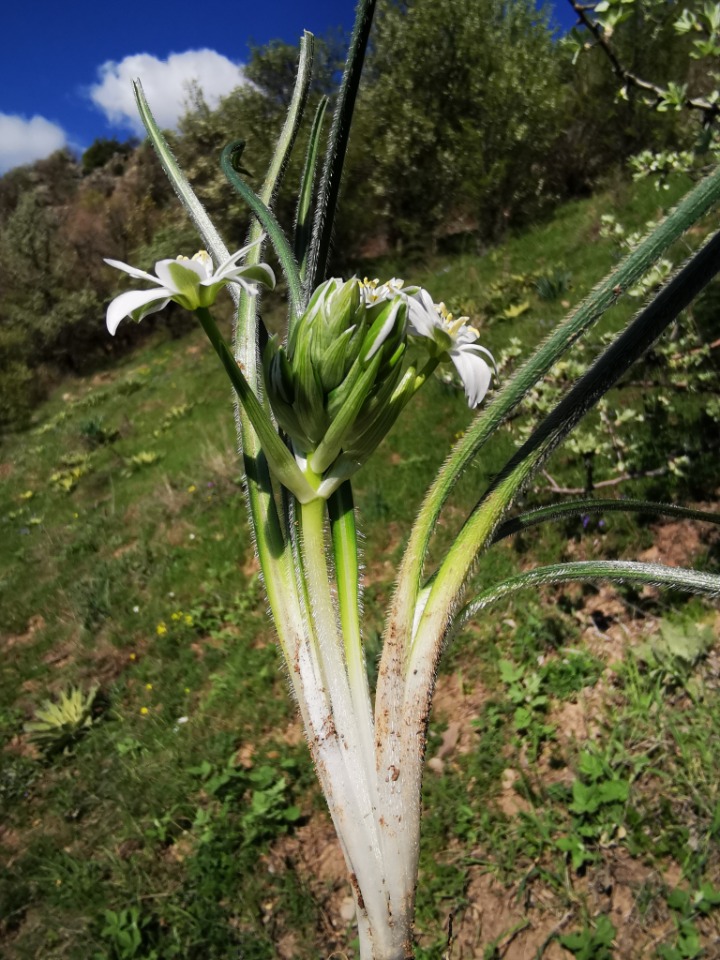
pixel 66 64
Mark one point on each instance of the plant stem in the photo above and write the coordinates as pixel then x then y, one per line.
pixel 281 460
pixel 355 788
pixel 344 538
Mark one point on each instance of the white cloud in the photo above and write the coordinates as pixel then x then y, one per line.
pixel 22 140
pixel 165 82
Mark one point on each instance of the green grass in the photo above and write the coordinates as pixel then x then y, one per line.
pixel 171 827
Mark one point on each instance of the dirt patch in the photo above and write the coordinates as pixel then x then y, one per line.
pixel 294 733
pixel 509 800
pixel 609 624
pixel 178 534
pixel 61 655
pixel 34 626
pixel 105 663
pixel 459 706
pixel 173 501
pixel 571 721
pixel 678 543
pixel 200 645
pixel 125 548
pixel 523 921
pixel 314 853
pixel 10 840
pixel 21 746
pixel 496 916
pixel 251 567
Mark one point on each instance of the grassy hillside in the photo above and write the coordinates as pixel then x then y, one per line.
pixel 575 743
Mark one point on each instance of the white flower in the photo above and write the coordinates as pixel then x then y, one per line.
pixel 372 291
pixel 452 339
pixel 191 283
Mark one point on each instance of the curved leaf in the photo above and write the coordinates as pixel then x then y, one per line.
pixel 616 571
pixel 578 508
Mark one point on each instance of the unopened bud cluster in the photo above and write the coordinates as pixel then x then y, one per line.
pixel 330 388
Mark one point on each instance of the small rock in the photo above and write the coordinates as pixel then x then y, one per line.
pixel 347 909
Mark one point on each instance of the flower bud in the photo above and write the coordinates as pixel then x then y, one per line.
pixel 329 387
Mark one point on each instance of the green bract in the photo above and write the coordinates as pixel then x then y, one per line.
pixel 333 386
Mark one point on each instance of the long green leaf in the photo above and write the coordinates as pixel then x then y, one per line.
pixel 303 224
pixel 279 457
pixel 246 332
pixel 616 360
pixel 337 148
pixel 687 212
pixel 577 508
pixel 228 162
pixel 274 551
pixel 341 511
pixel 644 330
pixel 616 571
pixel 286 141
pixel 181 185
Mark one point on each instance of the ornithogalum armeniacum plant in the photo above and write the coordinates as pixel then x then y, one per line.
pixel 312 409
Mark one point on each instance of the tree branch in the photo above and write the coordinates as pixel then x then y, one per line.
pixel 629 79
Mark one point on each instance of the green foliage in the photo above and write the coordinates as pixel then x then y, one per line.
pixel 599 795
pixel 687 907
pixel 123 932
pixel 592 943
pixel 677 647
pixel 103 150
pixel 462 131
pixel 264 811
pixel 489 131
pixel 58 725
pixel 660 75
pixel 273 68
pixel 523 691
pixel 129 787
pixel 554 285
pixel 55 230
pixel 530 687
pixel 94 433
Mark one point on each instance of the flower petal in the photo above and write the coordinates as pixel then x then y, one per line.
pixel 474 372
pixel 238 255
pixel 248 275
pixel 181 276
pixel 133 271
pixel 423 318
pixel 135 300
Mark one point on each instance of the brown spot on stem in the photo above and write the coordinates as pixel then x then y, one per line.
pixel 356 887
